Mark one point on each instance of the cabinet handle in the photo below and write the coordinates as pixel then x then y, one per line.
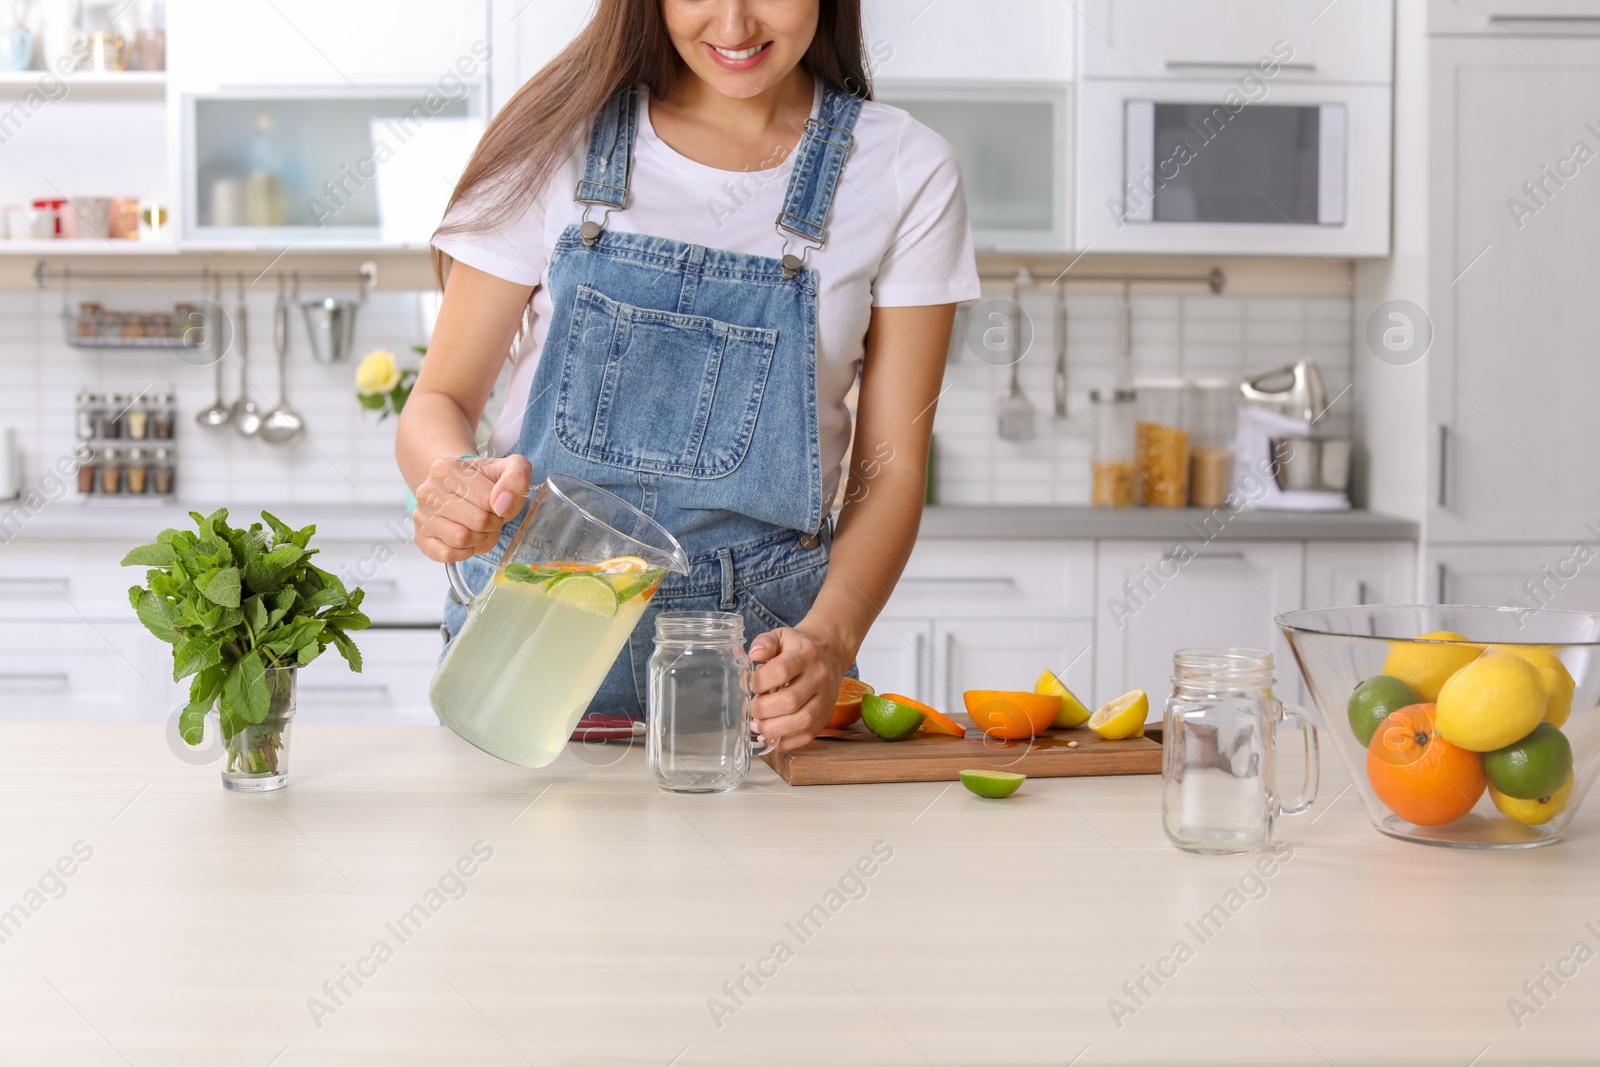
pixel 949 672
pixel 1230 557
pixel 1443 577
pixel 1361 592
pixel 55 679
pixel 924 668
pixel 378 583
pixel 1577 25
pixel 378 689
pixel 57 584
pixel 1218 64
pixel 992 579
pixel 1444 465
pixel 420 627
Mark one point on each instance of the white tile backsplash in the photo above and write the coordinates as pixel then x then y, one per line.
pixel 348 455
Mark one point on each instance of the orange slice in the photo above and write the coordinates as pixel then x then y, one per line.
pixel 847 705
pixel 933 722
pixel 1010 715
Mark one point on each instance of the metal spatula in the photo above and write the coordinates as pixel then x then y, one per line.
pixel 1016 413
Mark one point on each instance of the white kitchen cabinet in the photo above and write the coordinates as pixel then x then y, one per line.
pixel 1360 572
pixel 1348 41
pixel 1153 604
pixel 897 657
pixel 315 42
pixel 1514 18
pixel 1512 374
pixel 1550 575
pixel 953 40
pixel 80 671
pixel 392 688
pixel 1009 654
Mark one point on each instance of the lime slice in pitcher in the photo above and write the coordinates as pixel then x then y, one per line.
pixel 585 592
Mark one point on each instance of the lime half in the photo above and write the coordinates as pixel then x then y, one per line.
pixel 586 593
pixel 889 719
pixel 995 785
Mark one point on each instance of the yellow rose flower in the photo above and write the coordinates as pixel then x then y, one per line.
pixel 377 373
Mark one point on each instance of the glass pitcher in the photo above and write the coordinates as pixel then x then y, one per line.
pixel 542 635
pixel 1219 741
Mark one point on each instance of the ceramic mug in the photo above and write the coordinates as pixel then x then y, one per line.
pixel 124 218
pixel 16 49
pixel 91 215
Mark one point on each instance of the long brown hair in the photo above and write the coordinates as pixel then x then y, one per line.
pixel 625 43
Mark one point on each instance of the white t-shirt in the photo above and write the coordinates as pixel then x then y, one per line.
pixel 898 236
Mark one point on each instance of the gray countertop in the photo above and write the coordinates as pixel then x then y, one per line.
pixel 68 520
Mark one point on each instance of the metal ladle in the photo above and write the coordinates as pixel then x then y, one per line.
pixel 245 414
pixel 218 414
pixel 285 424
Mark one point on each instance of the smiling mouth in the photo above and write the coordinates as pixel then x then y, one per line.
pixel 737 54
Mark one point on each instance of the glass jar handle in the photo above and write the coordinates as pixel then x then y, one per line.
pixel 1308 789
pixel 760 746
pixel 464 592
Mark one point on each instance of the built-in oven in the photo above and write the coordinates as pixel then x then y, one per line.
pixel 1233 166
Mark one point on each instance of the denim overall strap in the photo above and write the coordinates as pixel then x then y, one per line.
pixel 818 164
pixel 608 163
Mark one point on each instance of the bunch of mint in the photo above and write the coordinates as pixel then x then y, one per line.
pixel 234 602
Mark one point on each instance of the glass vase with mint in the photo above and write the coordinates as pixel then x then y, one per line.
pixel 243 610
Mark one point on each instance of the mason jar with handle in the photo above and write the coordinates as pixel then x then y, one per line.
pixel 698 733
pixel 1219 751
pixel 541 636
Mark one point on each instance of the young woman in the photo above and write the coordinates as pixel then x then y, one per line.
pixel 698 232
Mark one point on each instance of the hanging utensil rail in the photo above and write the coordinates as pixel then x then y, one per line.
pixel 364 278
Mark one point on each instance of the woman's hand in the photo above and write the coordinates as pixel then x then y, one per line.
pixel 796 685
pixel 463 503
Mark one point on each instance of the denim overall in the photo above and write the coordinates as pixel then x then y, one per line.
pixel 683 379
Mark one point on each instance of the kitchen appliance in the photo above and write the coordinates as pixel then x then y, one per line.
pixel 1339 648
pixel 1278 464
pixel 698 737
pixel 1273 166
pixel 1219 741
pixel 857 756
pixel 543 632
pixel 1295 390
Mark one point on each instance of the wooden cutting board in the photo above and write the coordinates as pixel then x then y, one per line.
pixel 856 756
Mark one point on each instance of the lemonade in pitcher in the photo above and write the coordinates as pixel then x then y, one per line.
pixel 541 641
pixel 541 637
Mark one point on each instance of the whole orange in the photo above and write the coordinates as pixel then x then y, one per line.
pixel 847 705
pixel 1011 716
pixel 1422 778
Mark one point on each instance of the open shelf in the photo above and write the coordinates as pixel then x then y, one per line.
pixel 88 247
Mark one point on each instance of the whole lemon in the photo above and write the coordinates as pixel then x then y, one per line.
pixel 1493 701
pixel 1536 811
pixel 1426 667
pixel 1558 683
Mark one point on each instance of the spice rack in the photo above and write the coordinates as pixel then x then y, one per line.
pixel 127 436
pixel 93 326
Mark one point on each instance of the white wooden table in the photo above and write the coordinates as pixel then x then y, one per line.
pixel 601 920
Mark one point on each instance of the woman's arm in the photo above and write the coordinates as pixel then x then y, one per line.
pixel 461 504
pixel 887 482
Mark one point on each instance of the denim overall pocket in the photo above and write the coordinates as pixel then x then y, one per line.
pixel 660 392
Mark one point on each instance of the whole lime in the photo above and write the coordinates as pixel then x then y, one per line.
pixel 888 718
pixel 1375 700
pixel 1533 767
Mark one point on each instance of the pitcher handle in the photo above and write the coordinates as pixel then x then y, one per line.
pixel 1308 790
pixel 458 584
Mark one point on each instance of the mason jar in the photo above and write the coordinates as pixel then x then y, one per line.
pixel 698 735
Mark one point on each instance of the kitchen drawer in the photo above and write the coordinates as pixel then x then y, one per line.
pixel 402 585
pixel 1515 18
pixel 1349 41
pixel 86 580
pixel 397 665
pixel 79 671
pixel 976 579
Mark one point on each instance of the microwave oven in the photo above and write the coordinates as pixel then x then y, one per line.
pixel 1209 168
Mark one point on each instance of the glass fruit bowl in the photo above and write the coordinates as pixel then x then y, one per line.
pixel 1470 727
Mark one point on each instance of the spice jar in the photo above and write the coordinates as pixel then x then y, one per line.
pixel 1161 444
pixel 137 472
pixel 161 416
pixel 88 414
pixel 111 471
pixel 136 419
pixel 161 472
pixel 1116 480
pixel 87 469
pixel 110 418
pixel 1212 415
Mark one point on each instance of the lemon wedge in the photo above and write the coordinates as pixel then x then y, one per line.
pixel 1122 717
pixel 1073 711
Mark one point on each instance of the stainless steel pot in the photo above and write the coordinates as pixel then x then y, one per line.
pixel 331 322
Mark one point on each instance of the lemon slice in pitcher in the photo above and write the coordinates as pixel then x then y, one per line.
pixel 586 592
